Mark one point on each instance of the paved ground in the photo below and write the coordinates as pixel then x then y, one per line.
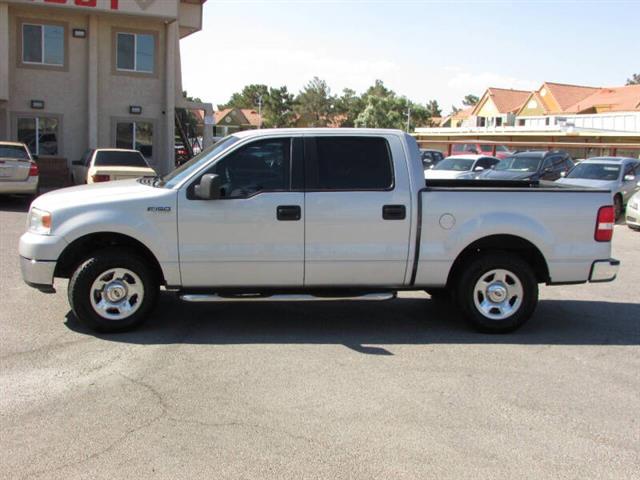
pixel 401 389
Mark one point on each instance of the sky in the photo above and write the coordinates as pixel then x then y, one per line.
pixel 424 50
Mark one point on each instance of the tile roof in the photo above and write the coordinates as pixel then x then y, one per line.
pixel 566 95
pixel 612 99
pixel 251 115
pixel 507 100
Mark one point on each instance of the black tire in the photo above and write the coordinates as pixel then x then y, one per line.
pixel 519 271
pixel 79 290
pixel 439 294
pixel 618 207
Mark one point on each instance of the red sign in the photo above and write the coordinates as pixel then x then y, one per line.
pixel 83 3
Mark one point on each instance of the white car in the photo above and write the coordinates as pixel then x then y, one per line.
pixel 618 174
pixel 460 166
pixel 633 212
pixel 19 173
pixel 105 164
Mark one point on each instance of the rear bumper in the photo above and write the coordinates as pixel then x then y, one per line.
pixel 604 270
pixel 26 187
pixel 38 273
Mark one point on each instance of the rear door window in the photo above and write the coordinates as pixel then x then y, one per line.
pixel 17 152
pixel 120 159
pixel 349 163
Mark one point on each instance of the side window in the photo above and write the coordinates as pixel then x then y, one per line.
pixel 548 163
pixel 259 166
pixel 558 163
pixel 351 163
pixel 86 158
pixel 486 148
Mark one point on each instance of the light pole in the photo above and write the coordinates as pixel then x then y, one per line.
pixel 260 111
pixel 408 118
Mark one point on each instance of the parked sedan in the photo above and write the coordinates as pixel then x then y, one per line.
pixel 618 174
pixel 633 212
pixel 532 165
pixel 19 173
pixel 104 164
pixel 460 166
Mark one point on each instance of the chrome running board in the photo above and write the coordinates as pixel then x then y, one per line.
pixel 376 297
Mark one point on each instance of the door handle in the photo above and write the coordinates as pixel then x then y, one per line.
pixel 394 212
pixel 289 213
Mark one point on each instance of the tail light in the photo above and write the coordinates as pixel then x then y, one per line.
pixel 34 171
pixel 604 224
pixel 100 178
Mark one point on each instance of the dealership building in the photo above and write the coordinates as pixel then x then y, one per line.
pixel 80 74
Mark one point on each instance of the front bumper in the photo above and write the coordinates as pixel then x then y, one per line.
pixel 38 273
pixel 604 270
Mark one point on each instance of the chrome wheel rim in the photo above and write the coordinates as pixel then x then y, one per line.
pixel 498 294
pixel 117 294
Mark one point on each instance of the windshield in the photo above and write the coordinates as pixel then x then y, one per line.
pixel 519 164
pixel 455 163
pixel 13 151
pixel 595 171
pixel 185 170
pixel 119 159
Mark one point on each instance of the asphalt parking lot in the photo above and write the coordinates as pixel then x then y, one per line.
pixel 401 389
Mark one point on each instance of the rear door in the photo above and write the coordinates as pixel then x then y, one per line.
pixel 14 163
pixel 357 204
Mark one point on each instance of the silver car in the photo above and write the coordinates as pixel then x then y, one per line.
pixel 618 174
pixel 18 172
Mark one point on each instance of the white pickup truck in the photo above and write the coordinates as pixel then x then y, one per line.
pixel 314 214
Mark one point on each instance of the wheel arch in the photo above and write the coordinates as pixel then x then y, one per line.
pixel 78 251
pixel 522 247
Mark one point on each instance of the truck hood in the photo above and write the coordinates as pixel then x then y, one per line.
pixel 98 193
pixel 585 182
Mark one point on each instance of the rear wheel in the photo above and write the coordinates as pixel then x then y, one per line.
pixel 497 292
pixel 113 291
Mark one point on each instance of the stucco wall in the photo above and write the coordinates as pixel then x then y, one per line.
pixel 65 91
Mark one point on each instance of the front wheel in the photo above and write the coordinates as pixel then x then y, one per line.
pixel 113 290
pixel 498 292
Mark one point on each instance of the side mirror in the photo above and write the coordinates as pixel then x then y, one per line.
pixel 629 178
pixel 209 187
pixel 563 174
pixel 478 169
pixel 431 167
pixel 78 163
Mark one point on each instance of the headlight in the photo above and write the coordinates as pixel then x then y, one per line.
pixel 39 221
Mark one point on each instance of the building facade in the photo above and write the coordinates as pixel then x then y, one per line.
pixel 79 74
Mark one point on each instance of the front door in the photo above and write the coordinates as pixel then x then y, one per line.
pixel 253 235
pixel 358 211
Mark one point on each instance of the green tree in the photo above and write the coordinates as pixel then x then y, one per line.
pixel 315 104
pixel 347 107
pixel 634 80
pixel 470 100
pixel 247 98
pixel 381 112
pixel 433 109
pixel 278 108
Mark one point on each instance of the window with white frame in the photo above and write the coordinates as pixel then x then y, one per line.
pixel 135 52
pixel 43 44
pixel 40 134
pixel 136 136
